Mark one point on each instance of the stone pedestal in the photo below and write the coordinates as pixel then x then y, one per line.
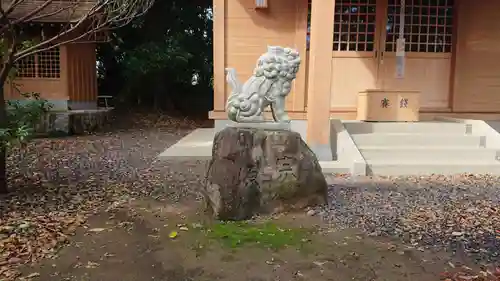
pixel 72 122
pixel 261 171
pixel 262 126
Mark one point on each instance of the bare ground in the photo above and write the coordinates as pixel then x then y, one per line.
pixel 142 250
pixel 111 208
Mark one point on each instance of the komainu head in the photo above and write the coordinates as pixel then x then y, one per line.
pixel 278 63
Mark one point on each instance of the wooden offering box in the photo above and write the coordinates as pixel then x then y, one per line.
pixel 388 105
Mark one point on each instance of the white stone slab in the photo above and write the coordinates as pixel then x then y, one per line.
pixel 262 125
pixel 197 144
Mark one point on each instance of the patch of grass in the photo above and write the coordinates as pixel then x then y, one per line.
pixel 268 235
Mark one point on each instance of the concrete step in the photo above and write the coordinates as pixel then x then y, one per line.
pixel 407 127
pixel 335 167
pixel 402 168
pixel 406 139
pixel 417 153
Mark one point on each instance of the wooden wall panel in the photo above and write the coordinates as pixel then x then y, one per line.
pixel 247 33
pixel 477 72
pixel 78 77
pixel 48 88
pixel 51 89
pixel 428 73
pixel 351 75
pixel 81 72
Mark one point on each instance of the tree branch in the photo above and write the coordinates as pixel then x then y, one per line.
pixel 32 13
pixel 11 7
pixel 102 16
pixel 39 17
pixel 99 16
pixel 39 47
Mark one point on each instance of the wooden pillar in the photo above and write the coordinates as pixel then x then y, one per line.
pixel 219 45
pixel 320 74
pixel 64 69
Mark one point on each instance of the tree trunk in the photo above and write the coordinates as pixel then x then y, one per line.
pixel 3 171
pixel 7 64
pixel 3 152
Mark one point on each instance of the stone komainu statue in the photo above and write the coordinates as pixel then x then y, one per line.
pixel 269 86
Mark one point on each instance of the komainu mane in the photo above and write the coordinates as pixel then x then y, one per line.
pixel 269 86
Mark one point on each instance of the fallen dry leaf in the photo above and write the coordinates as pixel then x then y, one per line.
pixel 32 275
pixel 97 229
pixel 57 183
pixel 92 264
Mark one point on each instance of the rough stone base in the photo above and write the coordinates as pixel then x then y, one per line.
pixel 299 126
pixel 257 171
pixel 72 122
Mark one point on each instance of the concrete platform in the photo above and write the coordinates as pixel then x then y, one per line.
pixel 448 146
pixel 198 145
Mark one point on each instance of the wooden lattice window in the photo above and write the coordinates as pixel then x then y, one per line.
pixel 26 67
pixel 49 64
pixel 354 25
pixel 45 64
pixel 428 25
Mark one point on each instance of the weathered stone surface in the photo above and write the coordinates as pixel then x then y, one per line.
pixel 87 121
pixel 257 171
pixel 72 122
pixel 54 124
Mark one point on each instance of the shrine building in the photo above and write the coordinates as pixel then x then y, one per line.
pixel 66 75
pixel 374 60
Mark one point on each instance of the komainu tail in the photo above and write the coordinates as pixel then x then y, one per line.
pixel 233 81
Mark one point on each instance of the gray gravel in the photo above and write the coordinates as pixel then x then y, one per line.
pixel 73 175
pixel 124 157
pixel 459 214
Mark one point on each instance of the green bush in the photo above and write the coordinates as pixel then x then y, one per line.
pixel 22 118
